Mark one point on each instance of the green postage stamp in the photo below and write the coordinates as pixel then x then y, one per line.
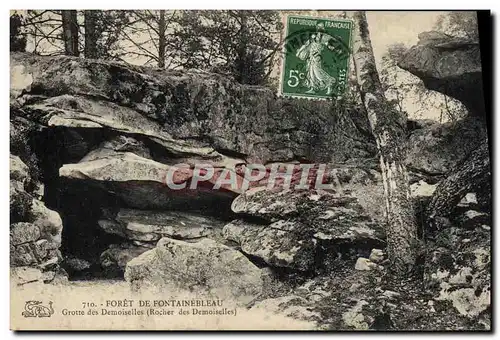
pixel 315 57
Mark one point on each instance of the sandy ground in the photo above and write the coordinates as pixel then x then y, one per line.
pixel 88 305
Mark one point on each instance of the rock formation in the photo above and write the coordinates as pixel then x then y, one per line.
pixel 110 133
pixel 448 65
pixel 205 266
pixel 92 143
pixel 35 230
pixel 302 230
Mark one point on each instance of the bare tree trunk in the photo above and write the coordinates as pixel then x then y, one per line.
pixel 388 128
pixel 91 35
pixel 161 40
pixel 241 61
pixel 473 174
pixel 70 32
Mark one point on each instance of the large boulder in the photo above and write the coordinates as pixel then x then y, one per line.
pixel 18 170
pixel 448 65
pixel 114 259
pixel 142 182
pixel 320 209
pixel 279 244
pixel 36 242
pixel 302 230
pixel 435 148
pixel 35 230
pixel 81 113
pixel 150 226
pixel 216 111
pixel 204 266
pixel 117 144
pixel 124 166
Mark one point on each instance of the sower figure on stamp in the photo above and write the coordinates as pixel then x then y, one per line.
pixel 317 79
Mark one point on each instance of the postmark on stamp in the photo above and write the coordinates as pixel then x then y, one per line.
pixel 315 57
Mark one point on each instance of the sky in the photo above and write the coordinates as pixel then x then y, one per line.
pixel 387 28
pixel 390 27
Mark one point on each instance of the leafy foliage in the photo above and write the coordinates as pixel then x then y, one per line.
pixel 17 40
pixel 108 28
pixel 240 43
pixel 243 44
pixel 459 24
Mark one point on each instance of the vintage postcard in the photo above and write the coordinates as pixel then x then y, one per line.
pixel 250 170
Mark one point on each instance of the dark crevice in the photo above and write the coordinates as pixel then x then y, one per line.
pixel 80 203
pixel 280 273
pixel 253 219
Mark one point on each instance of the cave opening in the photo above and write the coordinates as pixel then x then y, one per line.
pixel 81 203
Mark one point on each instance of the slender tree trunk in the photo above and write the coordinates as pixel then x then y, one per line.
pixel 161 40
pixel 70 32
pixel 17 40
pixel 388 128
pixel 91 35
pixel 241 63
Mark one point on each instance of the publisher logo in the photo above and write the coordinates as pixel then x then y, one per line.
pixel 33 309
